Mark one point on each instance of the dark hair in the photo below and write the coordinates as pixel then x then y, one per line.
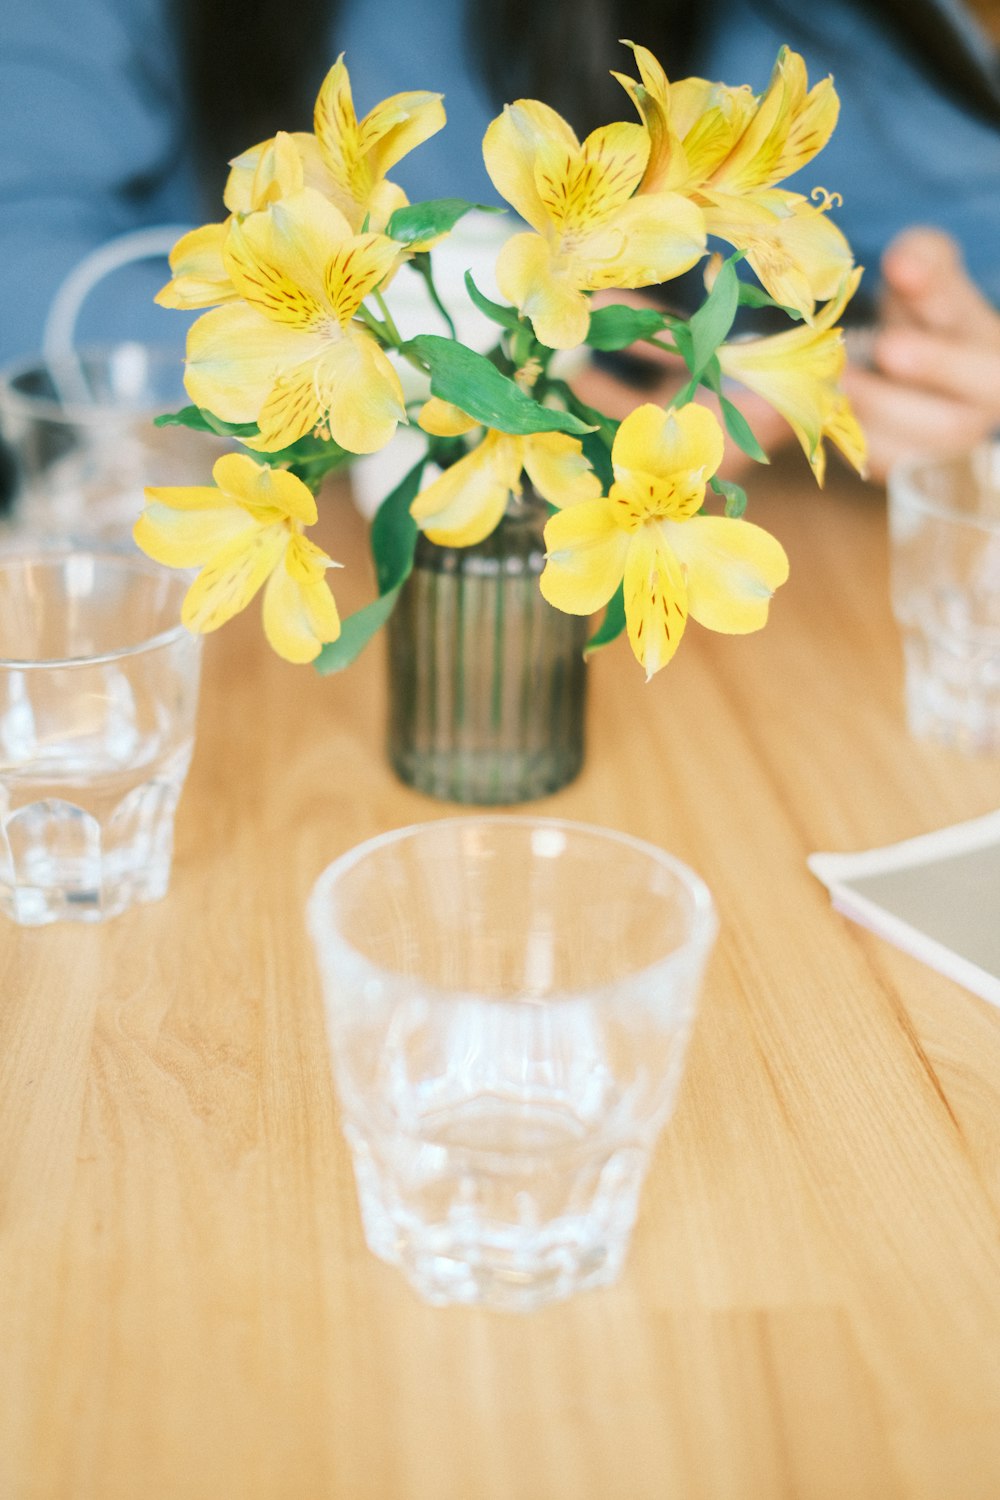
pixel 249 72
pixel 252 69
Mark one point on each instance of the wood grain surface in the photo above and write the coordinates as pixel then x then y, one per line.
pixel 811 1308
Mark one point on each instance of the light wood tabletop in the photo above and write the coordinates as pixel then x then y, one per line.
pixel 811 1306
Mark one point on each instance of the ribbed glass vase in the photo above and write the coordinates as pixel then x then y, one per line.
pixel 487 681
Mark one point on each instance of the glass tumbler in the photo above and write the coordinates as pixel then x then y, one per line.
pixel 80 433
pixel 944 527
pixel 98 696
pixel 508 1003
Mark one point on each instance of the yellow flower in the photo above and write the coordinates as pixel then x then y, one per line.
pixel 288 355
pixel 725 149
pixel 200 277
pixel 245 532
pixel 346 159
pixel 465 503
pixel 797 372
pixel 647 532
pixel 589 230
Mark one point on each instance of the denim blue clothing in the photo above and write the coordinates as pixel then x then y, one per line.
pixel 92 121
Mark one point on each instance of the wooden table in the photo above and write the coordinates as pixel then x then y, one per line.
pixel 811 1308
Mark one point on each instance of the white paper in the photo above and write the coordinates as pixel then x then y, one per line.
pixel 936 896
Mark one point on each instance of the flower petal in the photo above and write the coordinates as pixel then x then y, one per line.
pixel 364 397
pixel 465 503
pixel 796 249
pixel 652 238
pixel 557 468
pixel 263 490
pixel 279 172
pixel 200 278
pixel 732 568
pixel 294 406
pixel 582 187
pixel 811 128
pixel 666 167
pixel 354 269
pixel 511 147
pixel 586 551
pixel 754 160
pixel 558 309
pixel 277 258
pixel 442 419
pixel 843 428
pixel 393 128
pixel 335 122
pixel 685 440
pixel 234 356
pixel 655 599
pixel 230 579
pixel 300 613
pixel 188 537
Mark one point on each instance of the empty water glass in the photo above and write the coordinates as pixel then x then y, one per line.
pixel 98 696
pixel 944 519
pixel 81 435
pixel 508 1001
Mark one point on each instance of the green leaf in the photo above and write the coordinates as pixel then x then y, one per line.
pixel 737 426
pixel 709 326
pixel 684 342
pixel 597 453
pixel 507 317
pixel 201 420
pixel 469 380
pixel 734 495
pixel 421 263
pixel 755 296
pixel 311 458
pixel 617 327
pixel 613 623
pixel 740 431
pixel 606 427
pixel 425 221
pixel 393 539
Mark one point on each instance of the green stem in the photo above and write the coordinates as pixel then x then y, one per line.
pixel 421 263
pixel 659 344
pixel 389 324
pixel 380 330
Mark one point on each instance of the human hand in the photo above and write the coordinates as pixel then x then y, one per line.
pixel 934 382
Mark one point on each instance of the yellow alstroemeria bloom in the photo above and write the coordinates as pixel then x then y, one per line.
pixel 726 150
pixel 346 159
pixel 797 372
pixel 589 230
pixel 288 354
pixel 647 532
pixel 465 503
pixel 200 277
pixel 245 532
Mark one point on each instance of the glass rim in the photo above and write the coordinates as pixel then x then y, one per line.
pixel 902 485
pixel 84 413
pixel 61 551
pixel 702 929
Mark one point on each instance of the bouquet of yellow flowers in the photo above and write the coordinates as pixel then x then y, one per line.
pixel 299 358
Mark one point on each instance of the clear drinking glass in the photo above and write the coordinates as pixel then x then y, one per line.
pixel 508 1002
pixel 944 517
pixel 83 442
pixel 98 696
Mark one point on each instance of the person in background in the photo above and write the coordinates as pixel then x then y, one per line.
pixel 117 114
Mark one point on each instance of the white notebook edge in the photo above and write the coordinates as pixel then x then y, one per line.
pixel 836 870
